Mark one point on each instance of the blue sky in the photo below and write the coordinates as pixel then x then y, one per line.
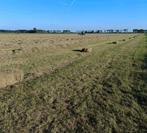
pixel 73 14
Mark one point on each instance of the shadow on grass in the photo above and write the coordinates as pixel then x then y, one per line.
pixel 77 50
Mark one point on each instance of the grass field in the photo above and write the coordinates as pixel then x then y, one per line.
pixel 48 86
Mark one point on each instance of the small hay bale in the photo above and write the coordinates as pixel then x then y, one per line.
pixel 86 50
pixel 89 50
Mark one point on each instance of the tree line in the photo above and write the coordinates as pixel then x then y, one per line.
pixel 35 30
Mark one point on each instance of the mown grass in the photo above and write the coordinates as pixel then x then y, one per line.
pixel 38 54
pixel 104 91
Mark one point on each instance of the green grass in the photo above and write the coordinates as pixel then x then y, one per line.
pixel 104 91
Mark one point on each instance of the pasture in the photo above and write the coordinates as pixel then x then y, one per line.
pixel 48 85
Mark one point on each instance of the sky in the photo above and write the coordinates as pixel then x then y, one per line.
pixel 73 14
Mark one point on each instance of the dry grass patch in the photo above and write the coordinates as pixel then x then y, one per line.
pixel 10 77
pixel 41 53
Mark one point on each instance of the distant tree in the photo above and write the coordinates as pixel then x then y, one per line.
pixel 125 30
pixel 82 33
pixel 66 31
pixel 86 31
pixel 135 30
pixel 138 30
pixel 141 31
pixel 99 31
pixel 35 29
pixel 92 31
pixel 117 31
pixel 110 31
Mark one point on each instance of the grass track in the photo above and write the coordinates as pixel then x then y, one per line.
pixel 104 91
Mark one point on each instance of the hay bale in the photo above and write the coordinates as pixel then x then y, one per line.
pixel 89 50
pixel 86 50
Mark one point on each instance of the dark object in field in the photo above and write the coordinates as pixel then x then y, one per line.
pixel 86 50
pixel 82 33
pixel 14 51
pixel 123 40
pixel 77 50
pixel 114 42
pixel 83 50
